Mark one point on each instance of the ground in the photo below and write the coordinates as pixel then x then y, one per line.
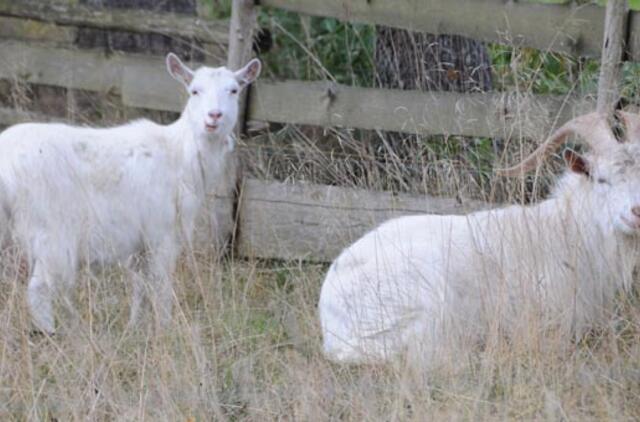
pixel 244 344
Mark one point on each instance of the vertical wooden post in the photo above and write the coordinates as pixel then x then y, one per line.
pixel 615 31
pixel 217 221
pixel 241 31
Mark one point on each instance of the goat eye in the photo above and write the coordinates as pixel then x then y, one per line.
pixel 234 90
pixel 603 181
pixel 194 92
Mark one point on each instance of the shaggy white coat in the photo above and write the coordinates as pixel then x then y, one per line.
pixel 73 196
pixel 425 283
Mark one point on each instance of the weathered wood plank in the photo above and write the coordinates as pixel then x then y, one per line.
pixel 242 26
pixel 34 30
pixel 85 69
pixel 67 13
pixel 570 28
pixel 144 83
pixel 315 222
pixel 55 35
pixel 427 113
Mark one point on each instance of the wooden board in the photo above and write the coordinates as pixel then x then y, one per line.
pixel 68 13
pixel 34 30
pixel 55 35
pixel 60 67
pixel 615 36
pixel 141 80
pixel 570 28
pixel 427 113
pixel 315 222
pixel 144 83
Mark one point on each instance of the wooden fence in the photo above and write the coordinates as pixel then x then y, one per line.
pixel 315 222
pixel 301 221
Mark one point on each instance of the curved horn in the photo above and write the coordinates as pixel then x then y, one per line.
pixel 632 126
pixel 592 128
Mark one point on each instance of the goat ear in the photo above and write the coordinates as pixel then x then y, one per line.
pixel 179 70
pixel 576 162
pixel 249 73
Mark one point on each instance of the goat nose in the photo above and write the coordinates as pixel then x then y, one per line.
pixel 636 210
pixel 215 114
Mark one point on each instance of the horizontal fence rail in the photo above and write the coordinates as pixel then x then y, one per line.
pixel 140 80
pixel 129 19
pixel 143 82
pixel 568 28
pixel 315 222
pixel 492 114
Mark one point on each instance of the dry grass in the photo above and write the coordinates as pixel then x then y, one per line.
pixel 244 345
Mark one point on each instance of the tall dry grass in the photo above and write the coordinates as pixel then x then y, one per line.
pixel 244 345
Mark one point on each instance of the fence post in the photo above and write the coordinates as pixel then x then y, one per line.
pixel 241 31
pixel 615 31
pixel 218 219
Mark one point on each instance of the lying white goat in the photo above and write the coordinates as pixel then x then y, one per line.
pixel 416 283
pixel 75 196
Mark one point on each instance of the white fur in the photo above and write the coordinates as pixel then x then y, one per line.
pixel 424 283
pixel 74 196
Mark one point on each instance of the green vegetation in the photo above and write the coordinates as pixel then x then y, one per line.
pixel 314 48
pixel 319 48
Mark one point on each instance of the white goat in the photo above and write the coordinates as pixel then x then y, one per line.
pixel 77 196
pixel 416 283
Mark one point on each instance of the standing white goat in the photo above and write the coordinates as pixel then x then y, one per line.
pixel 75 196
pixel 416 283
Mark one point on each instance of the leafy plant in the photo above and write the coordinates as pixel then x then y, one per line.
pixel 319 48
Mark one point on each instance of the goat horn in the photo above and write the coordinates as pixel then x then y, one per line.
pixel 592 128
pixel 631 124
